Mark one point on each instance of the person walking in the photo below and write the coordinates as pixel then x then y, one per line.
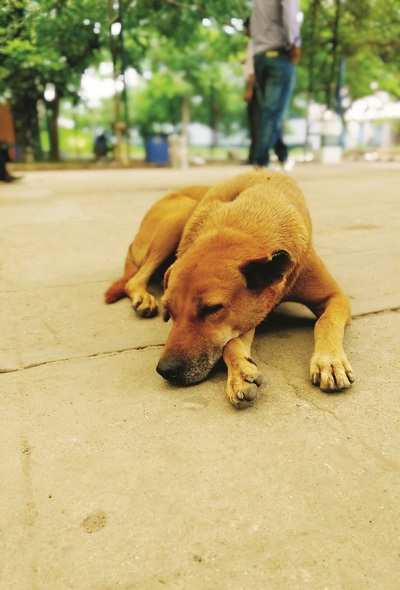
pixel 276 41
pixel 253 100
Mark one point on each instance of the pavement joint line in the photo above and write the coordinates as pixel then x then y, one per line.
pixel 81 357
pixel 376 312
pixel 112 352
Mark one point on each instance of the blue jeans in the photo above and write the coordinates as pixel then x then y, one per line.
pixel 275 79
pixel 253 115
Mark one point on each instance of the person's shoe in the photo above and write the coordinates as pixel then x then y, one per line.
pixel 288 165
pixel 11 178
pixel 275 167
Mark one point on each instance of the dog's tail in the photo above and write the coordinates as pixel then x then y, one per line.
pixel 117 290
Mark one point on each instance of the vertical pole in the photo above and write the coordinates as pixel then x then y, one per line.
pixel 185 120
pixel 212 120
pixel 311 66
pixel 118 125
pixel 335 51
pixel 121 15
pixel 339 99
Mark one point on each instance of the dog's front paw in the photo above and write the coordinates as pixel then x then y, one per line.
pixel 331 372
pixel 144 304
pixel 243 382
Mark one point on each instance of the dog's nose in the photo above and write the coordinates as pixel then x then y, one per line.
pixel 170 369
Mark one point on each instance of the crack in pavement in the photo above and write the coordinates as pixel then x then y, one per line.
pixel 78 357
pixel 58 286
pixel 376 312
pixel 113 352
pixel 386 464
pixel 310 402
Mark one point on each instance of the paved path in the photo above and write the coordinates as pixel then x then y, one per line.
pixel 114 480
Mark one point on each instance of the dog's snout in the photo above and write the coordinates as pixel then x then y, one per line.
pixel 170 369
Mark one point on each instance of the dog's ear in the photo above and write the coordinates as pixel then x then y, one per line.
pixel 262 272
pixel 166 314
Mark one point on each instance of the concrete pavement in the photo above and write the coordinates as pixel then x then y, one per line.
pixel 114 480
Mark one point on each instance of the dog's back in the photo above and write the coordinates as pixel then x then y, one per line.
pixel 246 246
pixel 267 206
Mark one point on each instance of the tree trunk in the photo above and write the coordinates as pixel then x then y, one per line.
pixel 52 110
pixel 27 131
pixel 37 143
pixel 341 111
pixel 185 120
pixel 335 54
pixel 214 119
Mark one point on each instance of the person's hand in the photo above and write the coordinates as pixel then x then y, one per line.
pixel 295 54
pixel 248 95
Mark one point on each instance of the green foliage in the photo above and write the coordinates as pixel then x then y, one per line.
pixel 159 102
pixel 208 72
pixel 368 41
pixel 47 41
pixel 41 42
pixel 189 59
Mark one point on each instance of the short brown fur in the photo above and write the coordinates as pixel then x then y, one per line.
pixel 242 246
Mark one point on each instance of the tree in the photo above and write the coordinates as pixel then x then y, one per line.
pixel 53 41
pixel 206 76
pixel 176 61
pixel 24 65
pixel 71 28
pixel 363 33
pixel 42 42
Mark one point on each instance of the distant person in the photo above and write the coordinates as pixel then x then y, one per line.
pixel 253 99
pixel 100 147
pixel 7 140
pixel 275 35
pixel 5 176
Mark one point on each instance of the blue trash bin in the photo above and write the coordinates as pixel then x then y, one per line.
pixel 156 147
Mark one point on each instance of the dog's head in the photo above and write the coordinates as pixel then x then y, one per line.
pixel 220 288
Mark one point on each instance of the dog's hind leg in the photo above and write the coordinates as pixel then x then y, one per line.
pixel 166 231
pixel 144 302
pixel 244 377
pixel 156 240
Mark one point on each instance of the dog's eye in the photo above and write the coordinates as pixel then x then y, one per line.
pixel 206 310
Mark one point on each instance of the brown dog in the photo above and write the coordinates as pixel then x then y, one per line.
pixel 243 247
